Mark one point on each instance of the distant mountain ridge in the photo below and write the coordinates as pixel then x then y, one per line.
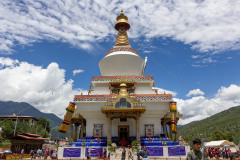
pixel 228 120
pixel 10 107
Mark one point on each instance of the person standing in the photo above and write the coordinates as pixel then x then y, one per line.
pixel 31 154
pixel 40 154
pixel 22 153
pixel 223 153
pixel 105 154
pixel 228 152
pixel 54 155
pixel 45 154
pixel 143 155
pixel 89 153
pixel 3 156
pixel 216 153
pixel 195 153
pixel 51 152
pixel 124 142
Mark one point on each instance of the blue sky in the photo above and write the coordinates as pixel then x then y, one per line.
pixel 192 47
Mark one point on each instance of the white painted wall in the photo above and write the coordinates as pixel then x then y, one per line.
pixel 91 111
pixel 144 88
pixel 124 64
pixel 101 88
pixel 130 122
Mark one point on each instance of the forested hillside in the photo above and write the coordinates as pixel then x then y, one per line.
pixel 225 121
pixel 25 109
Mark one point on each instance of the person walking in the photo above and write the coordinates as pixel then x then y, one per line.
pixel 123 154
pixel 196 153
pixel 129 153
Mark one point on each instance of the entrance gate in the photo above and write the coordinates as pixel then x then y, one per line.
pixel 123 132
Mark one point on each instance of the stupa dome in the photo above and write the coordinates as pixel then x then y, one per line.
pixel 122 60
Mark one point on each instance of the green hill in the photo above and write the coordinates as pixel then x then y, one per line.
pixel 228 120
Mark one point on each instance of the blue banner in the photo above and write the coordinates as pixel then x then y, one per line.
pixel 176 151
pixel 72 152
pixel 94 152
pixel 155 151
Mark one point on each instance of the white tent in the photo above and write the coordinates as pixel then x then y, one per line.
pixel 220 143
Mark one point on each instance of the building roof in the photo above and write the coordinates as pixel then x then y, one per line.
pixel 27 136
pixel 219 143
pixel 15 116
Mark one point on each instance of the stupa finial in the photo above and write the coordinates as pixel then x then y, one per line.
pixel 122 26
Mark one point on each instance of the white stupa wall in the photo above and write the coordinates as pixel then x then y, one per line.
pixel 130 122
pixel 101 90
pixel 91 111
pixel 144 88
pixel 122 64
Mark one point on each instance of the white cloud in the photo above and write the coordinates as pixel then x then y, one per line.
pixel 145 51
pixel 7 62
pixel 44 88
pixel 208 60
pixel 195 92
pixel 199 107
pixel 195 56
pixel 161 91
pixel 209 25
pixel 77 71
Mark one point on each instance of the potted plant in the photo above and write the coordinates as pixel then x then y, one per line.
pixel 112 148
pixel 164 143
pixel 135 146
pixel 83 143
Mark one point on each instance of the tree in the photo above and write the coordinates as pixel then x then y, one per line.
pixel 22 127
pixel 8 128
pixel 41 128
pixel 44 123
pixel 228 136
pixel 218 135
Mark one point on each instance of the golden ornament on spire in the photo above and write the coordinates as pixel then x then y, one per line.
pixel 122 26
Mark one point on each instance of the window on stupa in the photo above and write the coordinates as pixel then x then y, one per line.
pixel 123 103
pixel 123 119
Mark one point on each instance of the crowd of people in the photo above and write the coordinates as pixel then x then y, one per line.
pixel 217 153
pixel 43 153
pixel 199 153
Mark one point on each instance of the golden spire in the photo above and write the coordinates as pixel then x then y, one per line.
pixel 122 26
